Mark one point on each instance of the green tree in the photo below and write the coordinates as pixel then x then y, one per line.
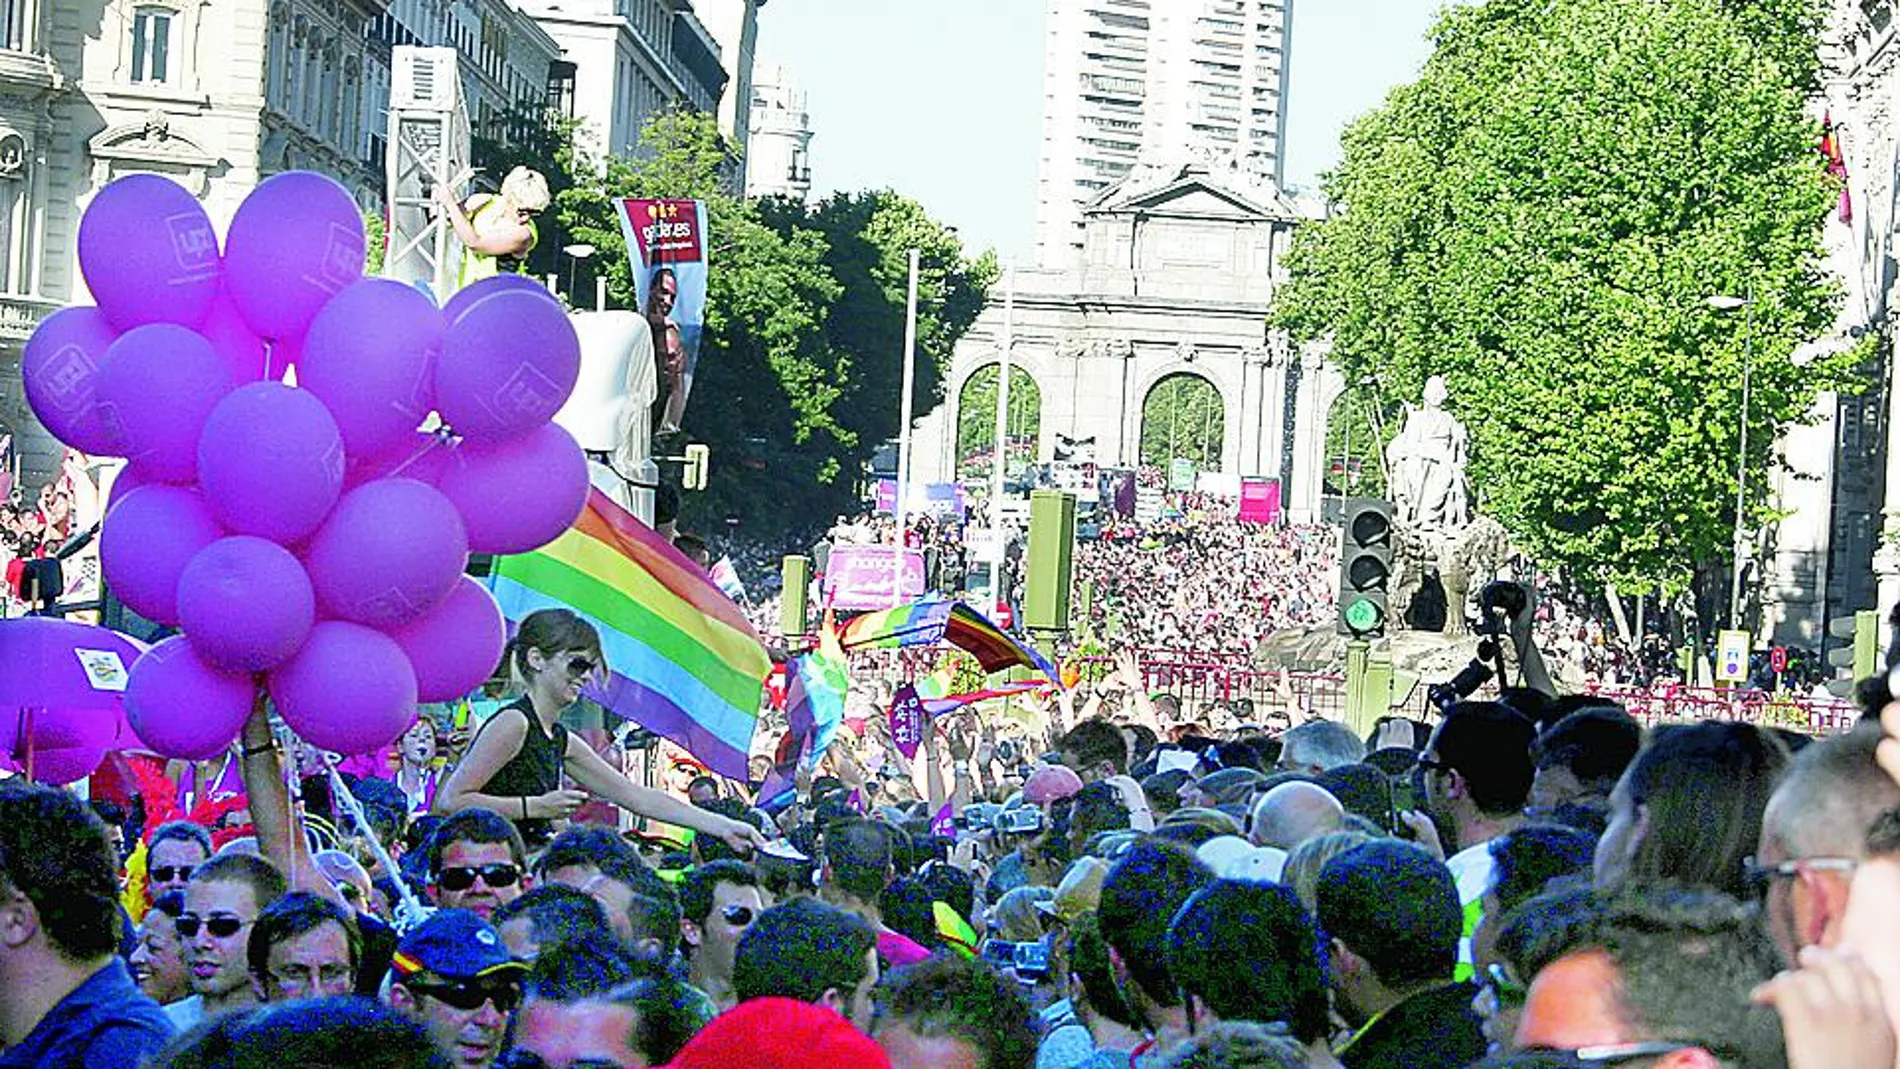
pixel 869 236
pixel 798 373
pixel 767 385
pixel 1182 416
pixel 1540 217
pixel 976 422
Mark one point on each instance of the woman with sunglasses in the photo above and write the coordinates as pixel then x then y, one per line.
pixel 517 762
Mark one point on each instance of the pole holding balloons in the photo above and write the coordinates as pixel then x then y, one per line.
pixel 311 536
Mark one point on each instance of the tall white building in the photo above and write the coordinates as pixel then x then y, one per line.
pixel 1168 81
pixel 778 156
pixel 633 59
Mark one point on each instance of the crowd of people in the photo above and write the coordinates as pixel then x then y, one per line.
pixel 1106 882
pixel 1198 578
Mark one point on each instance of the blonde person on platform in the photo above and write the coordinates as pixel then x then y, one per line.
pixel 497 232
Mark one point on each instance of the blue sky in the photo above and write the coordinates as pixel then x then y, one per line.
pixel 942 99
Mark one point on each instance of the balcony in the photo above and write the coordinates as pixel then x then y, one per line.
pixel 20 315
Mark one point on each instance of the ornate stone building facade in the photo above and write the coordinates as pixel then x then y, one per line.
pixel 216 94
pixel 1179 267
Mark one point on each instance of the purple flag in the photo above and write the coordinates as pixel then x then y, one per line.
pixel 908 721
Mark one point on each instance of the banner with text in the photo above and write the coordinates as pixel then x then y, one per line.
pixel 668 250
pixel 1260 501
pixel 873 577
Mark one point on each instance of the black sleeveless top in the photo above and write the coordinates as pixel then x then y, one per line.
pixel 534 770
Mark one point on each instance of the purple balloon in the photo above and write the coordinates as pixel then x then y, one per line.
pixel 455 646
pixel 507 366
pixel 246 603
pixel 127 480
pixel 503 283
pixel 271 462
pixel 295 242
pixel 370 355
pixel 61 370
pixel 517 495
pixel 423 456
pixel 147 539
pixel 249 357
pixel 182 707
pixel 149 253
pixel 157 386
pixel 58 765
pixel 390 552
pixel 349 690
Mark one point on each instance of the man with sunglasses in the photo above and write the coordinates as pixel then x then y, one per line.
pixel 453 973
pixel 1474 777
pixel 175 848
pixel 224 898
pixel 477 862
pixel 1659 978
pixel 718 902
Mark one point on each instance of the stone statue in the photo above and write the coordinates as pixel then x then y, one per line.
pixel 1468 564
pixel 1426 466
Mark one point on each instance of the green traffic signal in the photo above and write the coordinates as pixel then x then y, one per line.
pixel 1363 616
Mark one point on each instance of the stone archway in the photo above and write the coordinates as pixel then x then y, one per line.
pixel 976 422
pixel 1183 416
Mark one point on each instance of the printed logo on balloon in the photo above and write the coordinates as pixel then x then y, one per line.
pixel 308 537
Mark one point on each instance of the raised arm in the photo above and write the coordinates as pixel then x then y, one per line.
pixel 591 771
pixel 279 829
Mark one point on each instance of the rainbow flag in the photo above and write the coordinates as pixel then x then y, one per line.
pixel 935 619
pixel 681 659
pixel 814 694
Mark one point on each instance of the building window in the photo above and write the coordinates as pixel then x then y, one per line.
pixel 151 43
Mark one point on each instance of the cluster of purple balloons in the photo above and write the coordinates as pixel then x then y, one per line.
pixel 312 533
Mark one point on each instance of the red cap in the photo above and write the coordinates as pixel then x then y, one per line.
pixel 1051 783
pixel 780 1033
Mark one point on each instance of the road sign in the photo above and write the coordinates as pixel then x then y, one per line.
pixel 1778 659
pixel 1731 658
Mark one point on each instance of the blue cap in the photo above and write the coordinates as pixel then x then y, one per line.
pixel 455 945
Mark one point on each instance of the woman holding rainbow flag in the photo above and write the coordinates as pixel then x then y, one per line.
pixel 516 764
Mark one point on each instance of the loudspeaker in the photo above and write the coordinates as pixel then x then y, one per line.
pixel 1051 560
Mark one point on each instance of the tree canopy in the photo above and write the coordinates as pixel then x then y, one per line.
pixel 800 367
pixel 1540 218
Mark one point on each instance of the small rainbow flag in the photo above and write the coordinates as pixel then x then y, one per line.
pixel 681 659
pixel 935 619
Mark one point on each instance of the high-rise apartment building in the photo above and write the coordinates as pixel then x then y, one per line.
pixel 1159 81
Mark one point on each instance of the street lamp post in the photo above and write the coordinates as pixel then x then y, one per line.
pixel 1747 305
pixel 576 252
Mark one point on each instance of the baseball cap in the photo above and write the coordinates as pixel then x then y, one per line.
pixel 1051 783
pixel 1262 864
pixel 455 945
pixel 780 1033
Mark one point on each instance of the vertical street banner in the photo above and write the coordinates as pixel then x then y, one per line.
pixel 668 251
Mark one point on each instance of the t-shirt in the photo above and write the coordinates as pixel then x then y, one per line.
pixel 1473 869
pixel 534 770
pixel 105 1023
pixel 186 1013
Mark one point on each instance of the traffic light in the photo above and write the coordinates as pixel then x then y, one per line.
pixel 1365 567
pixel 1862 656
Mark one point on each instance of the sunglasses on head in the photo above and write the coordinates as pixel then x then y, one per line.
pixel 168 873
pixel 737 916
pixel 221 925
pixel 467 995
pixel 462 878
